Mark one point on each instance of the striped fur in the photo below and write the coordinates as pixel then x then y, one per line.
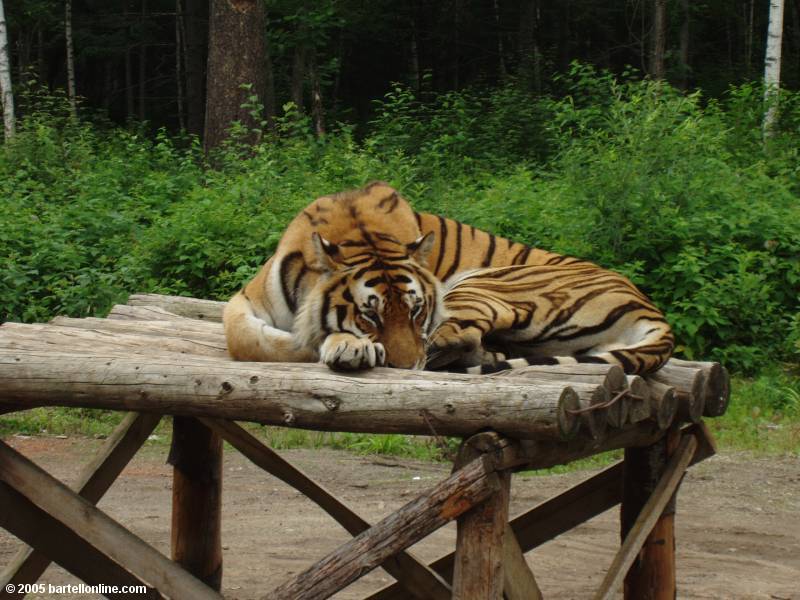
pixel 508 317
pixel 359 279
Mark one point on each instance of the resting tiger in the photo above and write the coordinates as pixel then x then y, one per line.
pixel 359 279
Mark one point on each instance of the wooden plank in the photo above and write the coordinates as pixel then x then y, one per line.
pixel 312 398
pixel 196 541
pixel 518 580
pixel 419 580
pixel 446 501
pixel 34 526
pixel 197 331
pixel 194 308
pixel 561 513
pixel 93 482
pixel 478 569
pixel 647 518
pixel 97 529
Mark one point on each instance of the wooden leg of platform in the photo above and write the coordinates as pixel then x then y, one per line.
pixel 648 549
pixel 117 451
pixel 478 569
pixel 196 455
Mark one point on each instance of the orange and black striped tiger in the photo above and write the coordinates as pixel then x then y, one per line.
pixel 359 279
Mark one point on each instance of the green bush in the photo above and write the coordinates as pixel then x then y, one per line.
pixel 678 193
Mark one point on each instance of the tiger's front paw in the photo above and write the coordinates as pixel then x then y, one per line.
pixel 346 352
pixel 451 344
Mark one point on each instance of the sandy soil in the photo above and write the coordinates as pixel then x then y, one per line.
pixel 738 524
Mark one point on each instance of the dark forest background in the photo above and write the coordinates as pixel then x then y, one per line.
pixel 146 59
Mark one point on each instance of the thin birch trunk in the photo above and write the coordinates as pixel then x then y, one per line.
pixel 317 110
pixel 5 79
pixel 772 65
pixel 501 60
pixel 70 58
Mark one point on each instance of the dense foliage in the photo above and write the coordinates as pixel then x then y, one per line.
pixel 678 192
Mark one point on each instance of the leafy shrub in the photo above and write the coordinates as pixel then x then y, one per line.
pixel 678 193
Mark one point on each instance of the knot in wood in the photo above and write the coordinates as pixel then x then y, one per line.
pixel 288 418
pixel 331 401
pixel 227 387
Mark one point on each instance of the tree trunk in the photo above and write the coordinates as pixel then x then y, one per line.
pixel 128 70
pixel 179 45
pixel 317 110
pixel 270 103
pixel 530 55
pixel 142 68
pixel 502 71
pixel 658 47
pixel 413 66
pixel 235 59
pixel 772 65
pixel 298 75
pixel 683 51
pixel 195 48
pixel 5 79
pixel 70 57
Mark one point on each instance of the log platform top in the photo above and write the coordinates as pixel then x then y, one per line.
pixel 167 355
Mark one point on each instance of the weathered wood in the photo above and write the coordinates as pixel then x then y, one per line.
pixel 25 520
pixel 661 587
pixel 189 329
pixel 126 312
pixel 58 338
pixel 313 399
pixel 609 376
pixel 478 573
pixel 417 519
pixel 561 513
pixel 93 482
pixel 518 580
pixel 97 529
pixel 193 308
pixel 718 385
pixel 639 408
pixel 594 420
pixel 418 579
pixel 690 389
pixel 663 404
pixel 196 541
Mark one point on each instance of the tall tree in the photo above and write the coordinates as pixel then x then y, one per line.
pixel 5 79
pixel 659 39
pixel 195 53
pixel 235 65
pixel 772 65
pixel 70 57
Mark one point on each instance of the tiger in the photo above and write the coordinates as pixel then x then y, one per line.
pixel 359 279
pixel 509 317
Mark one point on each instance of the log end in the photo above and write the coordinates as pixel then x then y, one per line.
pixel 568 406
pixel 594 420
pixel 718 391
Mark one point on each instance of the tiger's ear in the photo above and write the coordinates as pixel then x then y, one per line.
pixel 327 253
pixel 421 248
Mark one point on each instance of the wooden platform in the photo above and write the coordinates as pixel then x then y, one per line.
pixel 162 355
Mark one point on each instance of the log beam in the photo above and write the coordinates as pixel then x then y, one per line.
pixel 416 577
pixel 93 482
pixel 446 501
pixel 83 521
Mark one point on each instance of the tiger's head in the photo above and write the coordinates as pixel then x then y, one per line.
pixel 380 292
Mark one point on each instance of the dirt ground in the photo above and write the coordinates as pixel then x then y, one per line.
pixel 738 524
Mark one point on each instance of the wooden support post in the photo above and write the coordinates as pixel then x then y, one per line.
pixel 478 571
pixel 518 580
pixel 196 455
pixel 86 532
pixel 448 500
pixel 652 575
pixel 561 513
pixel 117 451
pixel 650 540
pixel 419 580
